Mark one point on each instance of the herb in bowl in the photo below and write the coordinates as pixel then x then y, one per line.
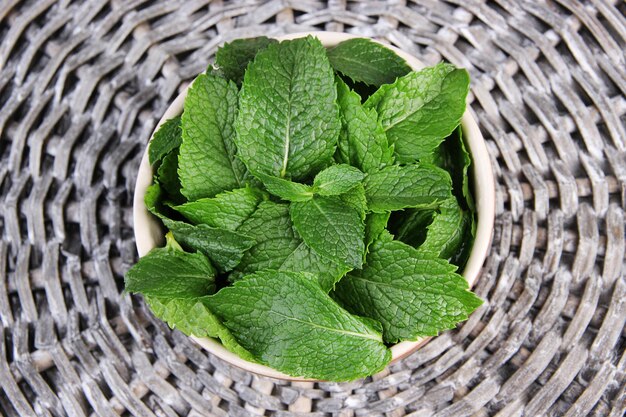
pixel 317 206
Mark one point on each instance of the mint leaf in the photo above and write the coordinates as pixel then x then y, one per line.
pixel 167 176
pixel 192 317
pixel 337 179
pixel 285 189
pixel 172 273
pixel 366 61
pixel 447 230
pixel 397 187
pixel 224 247
pixel 233 58
pixel 288 120
pixel 412 294
pixel 207 162
pixel 270 227
pixel 286 321
pixel 452 156
pixel 333 228
pixel 227 210
pixel 420 109
pixel 165 140
pixel 305 259
pixel 375 224
pixel 362 142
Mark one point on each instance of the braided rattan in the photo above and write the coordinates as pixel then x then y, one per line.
pixel 82 84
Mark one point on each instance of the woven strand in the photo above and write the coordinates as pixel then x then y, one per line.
pixel 82 85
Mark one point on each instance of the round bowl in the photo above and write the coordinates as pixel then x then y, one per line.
pixel 149 233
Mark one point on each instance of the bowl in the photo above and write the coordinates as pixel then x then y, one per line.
pixel 149 233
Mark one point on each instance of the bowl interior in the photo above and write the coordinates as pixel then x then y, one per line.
pixel 149 234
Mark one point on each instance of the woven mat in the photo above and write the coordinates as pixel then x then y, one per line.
pixel 82 84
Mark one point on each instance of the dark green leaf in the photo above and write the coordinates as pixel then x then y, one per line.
pixel 367 61
pixel 233 58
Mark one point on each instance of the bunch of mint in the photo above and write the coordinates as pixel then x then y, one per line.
pixel 317 203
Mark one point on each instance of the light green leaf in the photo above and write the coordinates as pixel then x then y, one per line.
pixel 226 210
pixel 420 109
pixel 362 141
pixel 412 294
pixel 224 247
pixel 397 187
pixel 233 58
pixel 286 189
pixel 207 162
pixel 172 273
pixel 331 227
pixel 337 179
pixel 288 322
pixel 165 140
pixel 192 317
pixel 367 61
pixel 288 119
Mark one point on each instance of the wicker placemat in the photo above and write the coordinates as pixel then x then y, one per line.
pixel 82 84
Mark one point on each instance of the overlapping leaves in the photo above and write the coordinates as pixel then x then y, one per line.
pixel 280 186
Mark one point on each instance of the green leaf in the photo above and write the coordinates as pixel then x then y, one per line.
pixel 305 259
pixel 288 119
pixel 271 229
pixel 447 230
pixel 192 317
pixel 167 176
pixel 367 61
pixel 286 321
pixel 171 273
pixel 420 109
pixel 452 156
pixel 227 210
pixel 397 187
pixel 224 247
pixel 153 200
pixel 412 294
pixel 285 189
pixel 207 162
pixel 333 228
pixel 375 224
pixel 233 58
pixel 362 142
pixel 165 140
pixel 337 179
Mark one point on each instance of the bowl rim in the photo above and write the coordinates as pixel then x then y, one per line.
pixel 148 232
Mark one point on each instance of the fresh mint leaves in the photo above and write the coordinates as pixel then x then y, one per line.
pixel 316 201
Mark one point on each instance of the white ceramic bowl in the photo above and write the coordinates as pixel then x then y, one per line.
pixel 149 234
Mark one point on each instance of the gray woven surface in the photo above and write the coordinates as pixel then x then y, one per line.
pixel 81 87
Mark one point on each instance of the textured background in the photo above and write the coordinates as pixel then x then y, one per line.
pixel 82 84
